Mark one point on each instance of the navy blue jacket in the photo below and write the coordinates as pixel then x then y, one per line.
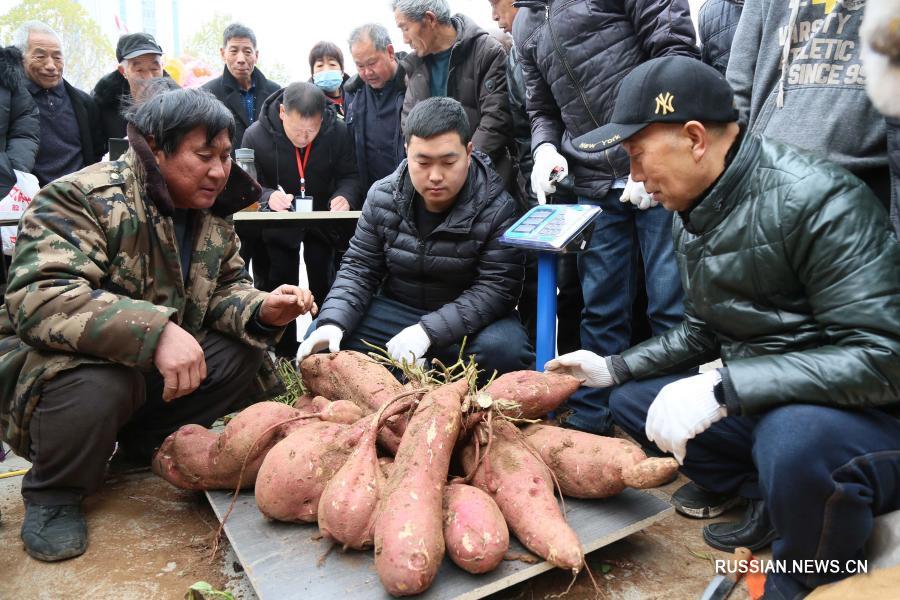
pixel 717 23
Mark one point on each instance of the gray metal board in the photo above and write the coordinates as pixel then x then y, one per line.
pixel 282 559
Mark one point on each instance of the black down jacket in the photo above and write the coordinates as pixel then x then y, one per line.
pixel 717 23
pixel 20 125
pixel 460 271
pixel 574 54
pixel 791 276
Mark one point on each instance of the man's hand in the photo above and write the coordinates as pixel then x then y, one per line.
pixel 682 410
pixel 179 359
pixel 339 204
pixel 590 368
pixel 326 336
pixel 279 201
pixel 635 193
pixel 285 304
pixel 547 162
pixel 409 345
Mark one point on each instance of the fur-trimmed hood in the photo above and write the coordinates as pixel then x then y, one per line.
pixel 11 74
pixel 109 91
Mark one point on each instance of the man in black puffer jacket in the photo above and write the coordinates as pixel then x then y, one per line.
pixel 573 56
pixel 20 126
pixel 792 278
pixel 425 267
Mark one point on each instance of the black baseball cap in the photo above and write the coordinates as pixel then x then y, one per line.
pixel 136 44
pixel 671 89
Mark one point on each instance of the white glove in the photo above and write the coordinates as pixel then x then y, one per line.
pixel 635 193
pixel 326 336
pixel 409 345
pixel 682 410
pixel 587 366
pixel 547 161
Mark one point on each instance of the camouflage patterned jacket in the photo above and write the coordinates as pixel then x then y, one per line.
pixel 96 277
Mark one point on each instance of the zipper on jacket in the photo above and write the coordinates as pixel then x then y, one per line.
pixel 575 82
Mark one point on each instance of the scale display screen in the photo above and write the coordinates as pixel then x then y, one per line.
pixel 550 228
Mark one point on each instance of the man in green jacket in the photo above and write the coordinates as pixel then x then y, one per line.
pixel 792 278
pixel 129 312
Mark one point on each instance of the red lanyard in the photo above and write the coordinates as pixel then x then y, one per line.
pixel 301 167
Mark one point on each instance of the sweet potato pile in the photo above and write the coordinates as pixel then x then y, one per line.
pixel 417 470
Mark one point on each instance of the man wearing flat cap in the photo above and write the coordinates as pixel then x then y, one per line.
pixel 792 278
pixel 140 59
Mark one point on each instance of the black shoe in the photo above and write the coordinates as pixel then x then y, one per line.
pixel 54 533
pixel 693 501
pixel 753 531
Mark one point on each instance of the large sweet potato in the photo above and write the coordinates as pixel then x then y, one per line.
pixel 474 529
pixel 409 540
pixel 594 466
pixel 522 487
pixel 349 375
pixel 536 394
pixel 296 470
pixel 196 458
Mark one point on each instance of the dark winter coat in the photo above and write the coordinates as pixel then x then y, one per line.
pixel 717 22
pixel 330 172
pixel 93 143
pixel 112 95
pixel 574 56
pixel 20 125
pixel 792 277
pixel 460 271
pixel 477 79
pixel 893 141
pixel 228 91
pixel 357 106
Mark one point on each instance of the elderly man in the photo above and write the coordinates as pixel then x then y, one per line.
pixel 425 267
pixel 445 45
pixel 374 103
pixel 242 87
pixel 792 278
pixel 129 312
pixel 140 59
pixel 70 122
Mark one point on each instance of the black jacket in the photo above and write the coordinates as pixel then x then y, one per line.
pixel 792 277
pixel 112 96
pixel 575 54
pixel 93 143
pixel 893 141
pixel 20 125
pixel 330 172
pixel 717 23
pixel 356 107
pixel 228 91
pixel 460 271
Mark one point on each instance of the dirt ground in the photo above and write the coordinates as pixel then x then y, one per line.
pixel 150 540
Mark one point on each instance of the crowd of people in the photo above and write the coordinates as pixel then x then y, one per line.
pixel 749 214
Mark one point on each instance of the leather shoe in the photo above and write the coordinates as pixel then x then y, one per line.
pixel 53 533
pixel 753 531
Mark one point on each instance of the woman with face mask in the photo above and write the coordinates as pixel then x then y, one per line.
pixel 326 62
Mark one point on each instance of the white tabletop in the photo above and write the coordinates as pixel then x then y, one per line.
pixel 295 216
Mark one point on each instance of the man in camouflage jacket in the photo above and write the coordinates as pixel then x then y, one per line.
pixel 129 312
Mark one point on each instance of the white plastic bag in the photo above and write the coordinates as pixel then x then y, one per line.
pixel 14 204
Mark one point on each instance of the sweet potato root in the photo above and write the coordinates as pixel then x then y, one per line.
pixel 341 411
pixel 195 458
pixel 409 540
pixel 474 529
pixel 522 487
pixel 594 466
pixel 536 394
pixel 296 470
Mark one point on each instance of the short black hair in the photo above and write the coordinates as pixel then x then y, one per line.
pixel 169 116
pixel 237 30
pixel 324 50
pixel 435 116
pixel 304 98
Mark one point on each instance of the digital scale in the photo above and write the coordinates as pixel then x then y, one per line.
pixel 550 229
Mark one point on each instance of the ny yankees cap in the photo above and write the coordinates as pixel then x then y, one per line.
pixel 671 89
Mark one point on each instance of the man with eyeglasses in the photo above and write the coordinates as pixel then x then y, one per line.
pixel 70 136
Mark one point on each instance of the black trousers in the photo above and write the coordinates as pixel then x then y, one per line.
pixel 569 302
pixel 84 411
